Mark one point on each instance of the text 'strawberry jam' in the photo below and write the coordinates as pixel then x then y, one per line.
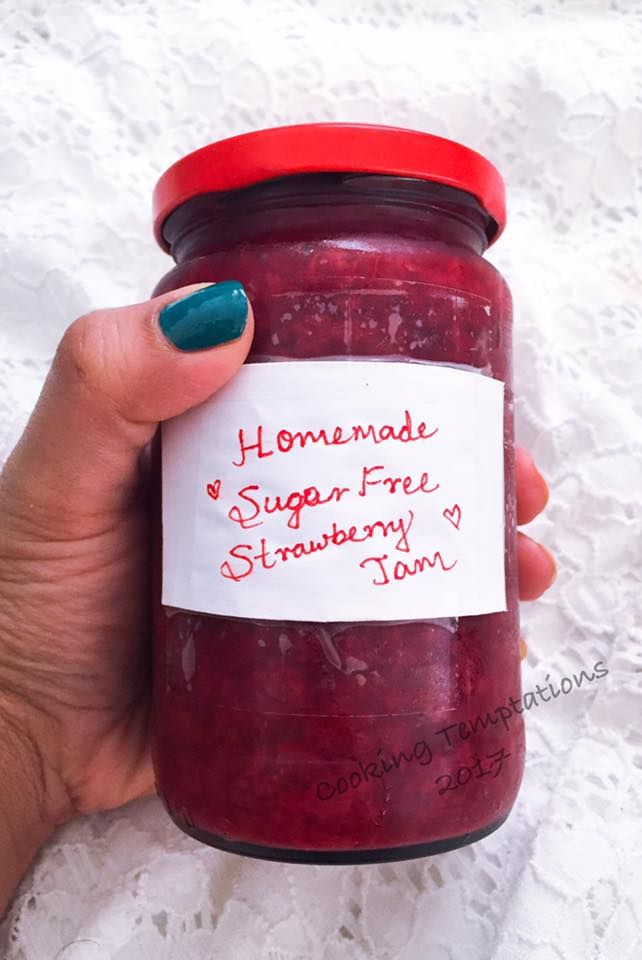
pixel 336 640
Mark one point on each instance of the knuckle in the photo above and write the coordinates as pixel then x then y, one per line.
pixel 98 354
pixel 81 352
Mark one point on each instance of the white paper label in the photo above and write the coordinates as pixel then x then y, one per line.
pixel 338 491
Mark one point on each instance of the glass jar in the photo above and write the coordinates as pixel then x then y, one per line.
pixel 346 738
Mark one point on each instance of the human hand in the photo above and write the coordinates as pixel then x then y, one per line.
pixel 74 560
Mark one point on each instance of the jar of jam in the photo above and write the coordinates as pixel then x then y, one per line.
pixel 336 665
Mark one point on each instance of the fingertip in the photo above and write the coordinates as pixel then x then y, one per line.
pixel 532 489
pixel 537 569
pixel 196 338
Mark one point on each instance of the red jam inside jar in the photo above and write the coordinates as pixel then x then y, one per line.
pixel 343 742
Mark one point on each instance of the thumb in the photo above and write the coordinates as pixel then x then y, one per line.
pixel 116 374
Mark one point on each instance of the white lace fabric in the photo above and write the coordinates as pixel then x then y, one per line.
pixel 99 97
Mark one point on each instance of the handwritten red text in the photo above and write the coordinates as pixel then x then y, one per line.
pixel 286 440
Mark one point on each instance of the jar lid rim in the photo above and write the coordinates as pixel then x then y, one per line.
pixel 262 155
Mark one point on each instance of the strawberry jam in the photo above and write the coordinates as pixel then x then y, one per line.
pixel 343 742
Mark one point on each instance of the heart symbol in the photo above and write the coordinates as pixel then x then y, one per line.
pixel 454 516
pixel 214 489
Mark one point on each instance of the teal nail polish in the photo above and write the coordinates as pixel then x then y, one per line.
pixel 206 318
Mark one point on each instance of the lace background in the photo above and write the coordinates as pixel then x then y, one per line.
pixel 99 98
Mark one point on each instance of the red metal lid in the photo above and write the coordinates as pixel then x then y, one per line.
pixel 328 148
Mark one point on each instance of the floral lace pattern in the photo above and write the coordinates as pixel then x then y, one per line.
pixel 100 98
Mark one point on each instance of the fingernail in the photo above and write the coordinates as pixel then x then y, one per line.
pixel 207 318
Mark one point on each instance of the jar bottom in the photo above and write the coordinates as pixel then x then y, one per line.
pixel 339 857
